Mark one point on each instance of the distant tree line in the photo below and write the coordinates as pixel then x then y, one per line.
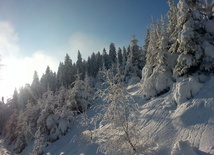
pixel 129 62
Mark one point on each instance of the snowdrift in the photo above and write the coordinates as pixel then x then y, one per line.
pixel 182 125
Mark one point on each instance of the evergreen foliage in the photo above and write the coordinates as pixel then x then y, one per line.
pixel 135 62
pixel 181 47
pixel 112 55
pixel 36 86
pixel 80 66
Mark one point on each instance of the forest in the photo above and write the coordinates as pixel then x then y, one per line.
pixel 129 88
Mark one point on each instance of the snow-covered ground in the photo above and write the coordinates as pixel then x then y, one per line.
pixel 170 128
pixel 169 124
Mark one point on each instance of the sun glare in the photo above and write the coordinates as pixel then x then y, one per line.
pixel 12 76
pixel 17 72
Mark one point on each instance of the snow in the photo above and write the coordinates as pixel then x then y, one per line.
pixel 183 8
pixel 209 48
pixel 156 83
pixel 42 116
pixel 187 32
pixel 50 122
pixel 167 128
pixel 180 122
pixel 134 80
pixel 62 126
pixel 183 148
pixel 186 88
pixel 209 26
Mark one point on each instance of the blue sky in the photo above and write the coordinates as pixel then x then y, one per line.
pixel 37 33
pixel 48 24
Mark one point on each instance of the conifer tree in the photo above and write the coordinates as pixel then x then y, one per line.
pixel 79 65
pixel 60 72
pixel 120 56
pixel 124 60
pixel 105 59
pixel 189 39
pixel 112 55
pixel 89 66
pixel 25 95
pixel 135 61
pixel 69 71
pixel 94 66
pixel 172 19
pixel 15 101
pixel 35 86
pixel 49 80
pixel 99 60
pixel 156 74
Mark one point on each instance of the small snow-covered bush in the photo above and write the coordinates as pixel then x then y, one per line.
pixel 156 83
pixel 186 88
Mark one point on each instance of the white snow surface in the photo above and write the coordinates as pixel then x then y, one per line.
pixel 186 128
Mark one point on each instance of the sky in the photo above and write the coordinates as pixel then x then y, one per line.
pixel 37 33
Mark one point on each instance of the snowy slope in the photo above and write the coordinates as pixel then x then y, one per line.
pixel 173 129
pixel 169 124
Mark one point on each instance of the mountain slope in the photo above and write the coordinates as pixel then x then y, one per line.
pixel 166 127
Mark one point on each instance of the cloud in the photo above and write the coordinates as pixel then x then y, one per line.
pixel 39 61
pixel 86 44
pixel 8 39
pixel 17 70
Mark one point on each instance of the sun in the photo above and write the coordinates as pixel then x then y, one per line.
pixel 13 75
pixel 17 72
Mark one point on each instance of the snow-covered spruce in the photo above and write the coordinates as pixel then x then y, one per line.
pixel 180 48
pixel 58 113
